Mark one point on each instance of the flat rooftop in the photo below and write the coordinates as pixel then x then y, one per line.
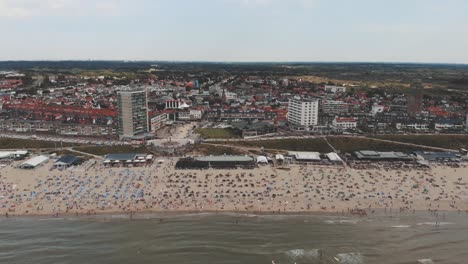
pixel 377 155
pixel 305 155
pixel 225 158
pixel 123 156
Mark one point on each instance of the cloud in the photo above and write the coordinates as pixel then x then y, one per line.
pixel 22 9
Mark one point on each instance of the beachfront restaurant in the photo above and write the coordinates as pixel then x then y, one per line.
pixel 334 157
pixel 305 156
pixel 370 155
pixel 127 159
pixel 437 156
pixel 67 161
pixel 219 162
pixel 34 162
pixel 13 155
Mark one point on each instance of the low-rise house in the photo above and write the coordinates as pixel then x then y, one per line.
pixel 344 123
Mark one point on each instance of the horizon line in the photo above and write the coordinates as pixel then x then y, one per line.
pixel 234 62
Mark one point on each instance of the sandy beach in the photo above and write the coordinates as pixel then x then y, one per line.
pixel 161 188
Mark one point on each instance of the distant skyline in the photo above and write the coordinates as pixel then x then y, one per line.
pixel 419 31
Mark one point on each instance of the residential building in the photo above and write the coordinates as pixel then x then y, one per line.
pixel 183 115
pixel 415 100
pixel 344 123
pixel 158 121
pixel 446 124
pixel 415 126
pixel 334 107
pixel 303 113
pixel 335 89
pixel 239 115
pixel 58 128
pixel 133 113
pixel 196 114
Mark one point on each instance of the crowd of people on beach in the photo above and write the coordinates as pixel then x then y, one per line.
pixel 302 188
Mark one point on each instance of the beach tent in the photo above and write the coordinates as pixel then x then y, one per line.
pixel 262 160
pixel 279 157
pixel 332 156
pixel 34 162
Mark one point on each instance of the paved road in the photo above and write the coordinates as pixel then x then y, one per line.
pixel 84 153
pixel 411 144
pixel 91 141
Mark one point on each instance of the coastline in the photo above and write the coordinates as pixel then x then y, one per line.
pixel 142 215
pixel 302 190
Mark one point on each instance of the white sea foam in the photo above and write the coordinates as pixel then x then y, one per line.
pixel 332 222
pixel 120 216
pixel 426 261
pixel 435 223
pixel 302 253
pixel 349 258
pixel 400 226
pixel 51 219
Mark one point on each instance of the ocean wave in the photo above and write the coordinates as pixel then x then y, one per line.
pixel 351 221
pixel 401 226
pixel 349 258
pixel 435 223
pixel 426 261
pixel 296 254
pixel 51 219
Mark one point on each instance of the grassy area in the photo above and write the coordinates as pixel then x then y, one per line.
pixel 14 143
pixel 441 141
pixel 350 144
pixel 104 150
pixel 203 149
pixel 217 133
pixel 306 144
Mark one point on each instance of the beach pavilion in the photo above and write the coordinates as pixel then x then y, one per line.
pixel 127 159
pixel 305 156
pixel 34 162
pixel 67 161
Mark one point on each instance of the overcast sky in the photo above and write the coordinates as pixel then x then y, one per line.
pixel 235 30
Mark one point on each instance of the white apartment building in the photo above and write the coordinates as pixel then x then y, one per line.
pixel 335 89
pixel 158 121
pixel 196 114
pixel 303 113
pixel 133 113
pixel 334 107
pixel 420 126
pixel 344 123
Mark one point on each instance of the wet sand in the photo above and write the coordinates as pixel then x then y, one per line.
pixel 161 188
